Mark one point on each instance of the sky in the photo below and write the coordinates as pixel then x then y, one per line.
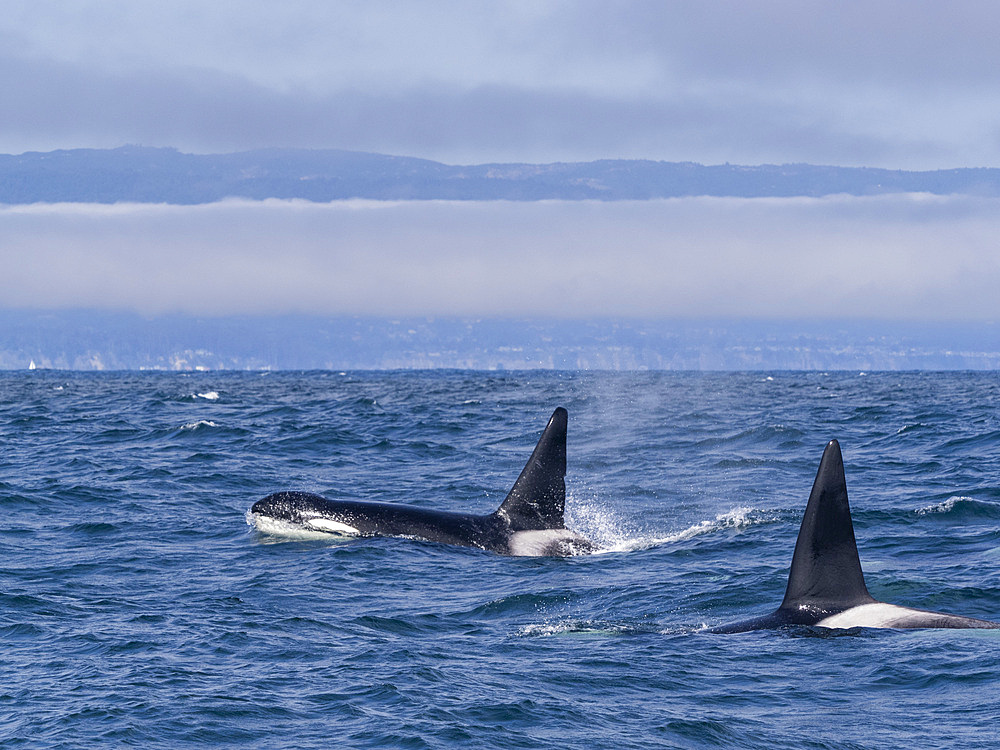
pixel 905 84
pixel 908 84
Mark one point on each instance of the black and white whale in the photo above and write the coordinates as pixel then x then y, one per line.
pixel 826 587
pixel 528 522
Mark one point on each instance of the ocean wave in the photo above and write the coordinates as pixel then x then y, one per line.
pixel 22 631
pixel 574 627
pixel 738 518
pixel 525 602
pixel 200 424
pixel 94 528
pixel 200 396
pixel 623 541
pixel 444 646
pixel 585 627
pixel 779 435
pixel 986 441
pixel 962 507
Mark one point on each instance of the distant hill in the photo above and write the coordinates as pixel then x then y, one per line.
pixel 165 175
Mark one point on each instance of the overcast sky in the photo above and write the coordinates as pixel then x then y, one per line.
pixel 893 83
pixel 902 84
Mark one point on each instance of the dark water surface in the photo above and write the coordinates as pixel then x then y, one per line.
pixel 138 608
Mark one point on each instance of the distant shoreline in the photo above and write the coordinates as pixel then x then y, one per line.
pixel 85 340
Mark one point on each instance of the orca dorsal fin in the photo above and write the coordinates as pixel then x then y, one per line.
pixel 826 570
pixel 538 498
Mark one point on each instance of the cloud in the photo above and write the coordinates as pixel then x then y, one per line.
pixel 896 83
pixel 206 111
pixel 909 257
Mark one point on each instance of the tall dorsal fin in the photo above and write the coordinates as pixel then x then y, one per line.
pixel 826 570
pixel 538 497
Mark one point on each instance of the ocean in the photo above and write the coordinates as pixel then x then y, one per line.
pixel 139 609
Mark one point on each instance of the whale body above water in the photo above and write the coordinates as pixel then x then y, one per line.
pixel 826 586
pixel 528 522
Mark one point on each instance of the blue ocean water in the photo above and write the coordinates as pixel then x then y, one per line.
pixel 138 608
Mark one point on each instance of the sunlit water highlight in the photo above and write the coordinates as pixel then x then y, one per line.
pixel 138 607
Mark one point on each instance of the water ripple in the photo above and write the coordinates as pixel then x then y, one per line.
pixel 138 609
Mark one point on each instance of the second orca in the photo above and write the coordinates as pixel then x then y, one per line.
pixel 826 587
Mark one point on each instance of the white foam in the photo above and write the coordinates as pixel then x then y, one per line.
pixel 570 627
pixel 199 424
pixel 592 518
pixel 737 518
pixel 945 506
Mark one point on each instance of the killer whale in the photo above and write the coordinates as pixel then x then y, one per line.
pixel 826 586
pixel 528 522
